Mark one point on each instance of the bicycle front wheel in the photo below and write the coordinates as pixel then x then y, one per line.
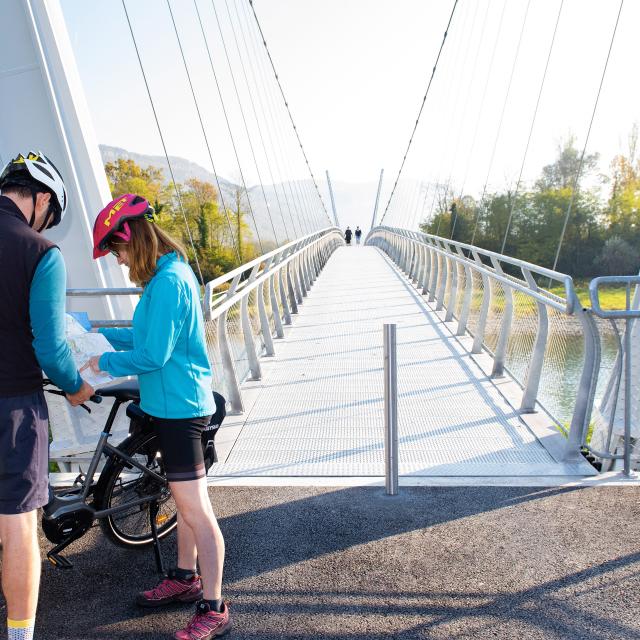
pixel 121 483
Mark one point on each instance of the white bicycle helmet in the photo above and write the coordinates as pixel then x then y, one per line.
pixel 37 168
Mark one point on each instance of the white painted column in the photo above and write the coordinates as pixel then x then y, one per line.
pixel 43 108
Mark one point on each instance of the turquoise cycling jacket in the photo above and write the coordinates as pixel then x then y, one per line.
pixel 165 347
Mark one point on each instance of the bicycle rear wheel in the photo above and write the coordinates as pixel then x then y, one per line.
pixel 121 483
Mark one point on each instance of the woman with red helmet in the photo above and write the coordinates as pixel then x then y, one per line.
pixel 166 349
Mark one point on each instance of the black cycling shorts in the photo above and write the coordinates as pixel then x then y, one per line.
pixel 181 447
pixel 24 453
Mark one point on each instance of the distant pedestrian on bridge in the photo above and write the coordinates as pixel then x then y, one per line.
pixel 32 338
pixel 347 235
pixel 358 234
pixel 166 349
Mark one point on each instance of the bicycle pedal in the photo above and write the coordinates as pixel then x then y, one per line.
pixel 59 561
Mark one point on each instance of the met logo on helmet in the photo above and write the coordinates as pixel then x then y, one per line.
pixel 21 159
pixel 116 207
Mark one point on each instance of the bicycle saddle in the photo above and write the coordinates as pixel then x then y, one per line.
pixel 125 391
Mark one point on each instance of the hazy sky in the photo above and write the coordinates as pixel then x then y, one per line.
pixel 354 72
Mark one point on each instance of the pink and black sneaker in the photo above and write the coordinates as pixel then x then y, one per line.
pixel 172 589
pixel 206 624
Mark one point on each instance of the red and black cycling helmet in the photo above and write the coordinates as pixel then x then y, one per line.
pixel 112 221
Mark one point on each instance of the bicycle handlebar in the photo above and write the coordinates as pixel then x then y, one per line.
pixel 94 398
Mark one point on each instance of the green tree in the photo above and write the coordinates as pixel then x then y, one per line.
pixel 623 207
pixel 125 176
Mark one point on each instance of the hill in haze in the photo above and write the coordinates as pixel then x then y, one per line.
pixel 354 202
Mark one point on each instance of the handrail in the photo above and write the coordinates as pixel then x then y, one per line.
pixel 88 293
pixel 220 280
pixel 624 361
pixel 433 264
pixel 288 273
pixel 594 291
pixel 563 278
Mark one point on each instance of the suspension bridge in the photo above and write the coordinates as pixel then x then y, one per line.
pixel 518 400
pixel 295 334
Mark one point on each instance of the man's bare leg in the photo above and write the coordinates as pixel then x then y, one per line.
pixel 21 564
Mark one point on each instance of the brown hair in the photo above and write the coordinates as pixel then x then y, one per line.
pixel 148 242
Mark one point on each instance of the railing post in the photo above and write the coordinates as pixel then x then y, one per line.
pixel 444 276
pixel 228 367
pixel 433 287
pixel 292 292
pixel 453 294
pixel 468 294
pixel 586 388
pixel 505 326
pixel 423 276
pixel 277 318
pixel 283 275
pixel 265 327
pixel 390 410
pixel 478 338
pixel 247 331
pixel 297 280
pixel 302 277
pixel 414 261
pixel 534 370
pixel 627 391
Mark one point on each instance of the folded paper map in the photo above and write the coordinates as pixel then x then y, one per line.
pixel 85 345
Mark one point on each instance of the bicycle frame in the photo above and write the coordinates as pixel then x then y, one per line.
pixel 75 503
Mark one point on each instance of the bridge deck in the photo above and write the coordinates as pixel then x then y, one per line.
pixel 319 409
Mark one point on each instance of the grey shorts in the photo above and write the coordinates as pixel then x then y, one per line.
pixel 24 453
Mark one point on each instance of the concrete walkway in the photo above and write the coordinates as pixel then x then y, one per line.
pixel 319 409
pixel 439 563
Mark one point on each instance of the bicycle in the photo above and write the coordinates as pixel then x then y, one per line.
pixel 131 498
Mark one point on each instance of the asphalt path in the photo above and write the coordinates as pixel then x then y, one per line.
pixel 352 563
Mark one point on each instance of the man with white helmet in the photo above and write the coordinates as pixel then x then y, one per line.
pixel 32 339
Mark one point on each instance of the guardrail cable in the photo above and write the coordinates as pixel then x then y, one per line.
pixel 533 122
pixel 253 107
pixel 424 99
pixel 164 147
pixel 204 133
pixel 271 102
pixel 286 103
pixel 246 126
pixel 499 130
pixel 584 148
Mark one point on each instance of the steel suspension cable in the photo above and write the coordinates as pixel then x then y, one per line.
pixel 533 122
pixel 424 99
pixel 284 182
pixel 204 133
pixel 244 121
pixel 484 95
pixel 233 142
pixel 444 97
pixel 499 130
pixel 450 73
pixel 286 103
pixel 464 115
pixel 586 142
pixel 294 187
pixel 253 107
pixel 164 147
pixel 456 100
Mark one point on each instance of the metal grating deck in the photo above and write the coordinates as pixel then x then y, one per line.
pixel 320 408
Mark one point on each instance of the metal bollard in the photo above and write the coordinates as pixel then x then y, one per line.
pixel 390 410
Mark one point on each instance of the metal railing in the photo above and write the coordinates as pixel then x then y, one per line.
pixel 245 309
pixel 500 302
pixel 621 399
